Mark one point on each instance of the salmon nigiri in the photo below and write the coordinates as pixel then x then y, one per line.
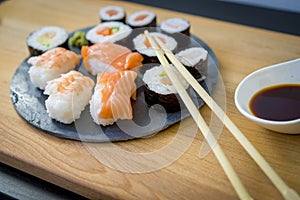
pixel 111 98
pixel 51 65
pixel 109 57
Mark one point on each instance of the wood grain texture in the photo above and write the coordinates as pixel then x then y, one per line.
pixel 239 49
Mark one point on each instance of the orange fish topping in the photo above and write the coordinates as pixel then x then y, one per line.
pixel 116 89
pixel 57 57
pixel 148 45
pixel 105 31
pixel 109 80
pixel 111 12
pixel 141 17
pixel 115 55
pixel 71 82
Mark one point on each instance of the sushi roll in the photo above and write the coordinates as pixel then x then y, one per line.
pixel 112 97
pixel 142 19
pixel 108 32
pixel 195 60
pixel 159 89
pixel 176 25
pixel 68 96
pixel 46 38
pixel 51 65
pixel 112 13
pixel 143 46
pixel 109 57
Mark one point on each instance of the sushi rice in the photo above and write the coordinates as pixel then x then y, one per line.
pixel 192 56
pixel 142 18
pixel 68 96
pixel 119 31
pixel 195 60
pixel 175 25
pixel 112 13
pixel 158 81
pixel 46 38
pixel 141 46
pixel 51 65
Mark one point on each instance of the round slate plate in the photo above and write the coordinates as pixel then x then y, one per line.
pixel 29 102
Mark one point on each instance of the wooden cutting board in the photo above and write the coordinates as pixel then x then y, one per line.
pixel 82 167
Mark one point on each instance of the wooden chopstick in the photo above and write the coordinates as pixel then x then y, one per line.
pixel 231 174
pixel 287 193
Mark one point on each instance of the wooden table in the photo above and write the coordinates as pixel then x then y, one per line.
pixel 240 50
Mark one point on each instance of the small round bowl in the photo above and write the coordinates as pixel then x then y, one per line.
pixel 283 73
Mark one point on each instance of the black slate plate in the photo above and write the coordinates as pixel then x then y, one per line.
pixel 29 103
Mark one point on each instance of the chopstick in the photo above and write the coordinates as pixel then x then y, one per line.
pixel 231 174
pixel 287 193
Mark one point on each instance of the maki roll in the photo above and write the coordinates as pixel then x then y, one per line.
pixel 195 60
pixel 46 38
pixel 108 32
pixel 159 89
pixel 51 65
pixel 176 25
pixel 112 13
pixel 68 96
pixel 112 97
pixel 143 46
pixel 142 19
pixel 109 57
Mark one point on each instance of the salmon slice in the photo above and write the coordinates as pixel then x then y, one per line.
pixel 55 58
pixel 105 31
pixel 112 12
pixel 109 57
pixel 115 90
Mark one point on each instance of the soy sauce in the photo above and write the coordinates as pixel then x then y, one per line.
pixel 277 103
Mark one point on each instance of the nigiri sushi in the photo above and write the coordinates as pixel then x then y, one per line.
pixel 111 98
pixel 51 65
pixel 109 57
pixel 68 96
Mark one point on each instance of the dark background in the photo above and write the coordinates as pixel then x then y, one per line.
pixel 258 16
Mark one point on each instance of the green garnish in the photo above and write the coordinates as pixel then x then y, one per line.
pixel 114 29
pixel 45 41
pixel 78 39
pixel 163 73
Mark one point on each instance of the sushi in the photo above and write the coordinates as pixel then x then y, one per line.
pixel 108 32
pixel 159 89
pixel 112 97
pixel 195 60
pixel 68 96
pixel 46 38
pixel 142 19
pixel 143 46
pixel 112 13
pixel 51 65
pixel 176 25
pixel 109 57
